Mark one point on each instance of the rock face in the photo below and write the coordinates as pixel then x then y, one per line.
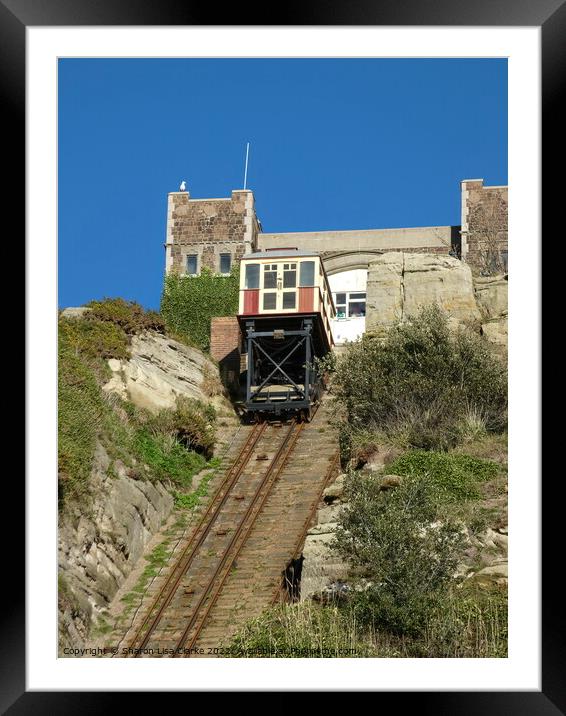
pixel 98 551
pixel 399 284
pixel 160 370
pixel 491 294
pixel 323 568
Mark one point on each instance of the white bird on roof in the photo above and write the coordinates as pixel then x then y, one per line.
pixel 183 186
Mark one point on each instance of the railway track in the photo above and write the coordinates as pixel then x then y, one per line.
pixel 179 611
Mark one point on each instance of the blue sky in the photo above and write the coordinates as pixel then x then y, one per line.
pixel 335 144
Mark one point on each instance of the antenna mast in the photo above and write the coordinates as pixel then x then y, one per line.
pixel 246 169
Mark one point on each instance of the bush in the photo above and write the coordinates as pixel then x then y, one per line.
pixel 406 556
pixel 94 339
pixel 167 459
pixel 189 303
pixel 128 315
pixel 81 415
pixel 191 423
pixel 452 477
pixel 420 383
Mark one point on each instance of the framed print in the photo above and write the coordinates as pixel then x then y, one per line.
pixel 199 421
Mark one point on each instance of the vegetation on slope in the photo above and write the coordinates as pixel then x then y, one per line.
pixel 436 398
pixel 423 385
pixel 171 446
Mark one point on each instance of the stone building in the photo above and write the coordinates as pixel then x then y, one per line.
pixel 484 226
pixel 214 233
pixel 210 233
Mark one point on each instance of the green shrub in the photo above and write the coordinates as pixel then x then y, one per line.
pixel 453 477
pixel 192 424
pixel 167 458
pixel 420 383
pixel 81 413
pixel 94 339
pixel 188 303
pixel 128 315
pixel 405 554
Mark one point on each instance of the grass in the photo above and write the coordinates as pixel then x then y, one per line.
pixel 167 458
pixel 455 477
pixel 464 625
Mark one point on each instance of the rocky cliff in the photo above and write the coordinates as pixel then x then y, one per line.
pixel 160 370
pixel 98 549
pixel 104 533
pixel 399 284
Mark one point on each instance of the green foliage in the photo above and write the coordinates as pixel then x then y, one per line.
pixel 301 630
pixel 421 383
pixel 453 477
pixel 191 423
pixel 189 303
pixel 406 555
pixel 192 499
pixel 94 339
pixel 459 624
pixel 127 315
pixel 81 417
pixel 167 458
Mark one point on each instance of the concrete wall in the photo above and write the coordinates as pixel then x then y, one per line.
pixel 484 225
pixel 207 228
pixel 433 239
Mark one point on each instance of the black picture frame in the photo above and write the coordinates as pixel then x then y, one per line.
pixel 550 15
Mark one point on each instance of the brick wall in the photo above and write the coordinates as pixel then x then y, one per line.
pixel 225 348
pixel 207 228
pixel 484 225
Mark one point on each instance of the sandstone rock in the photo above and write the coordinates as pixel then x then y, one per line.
pixel 491 295
pixel 75 311
pixel 335 490
pixel 160 370
pixel 321 566
pixel 494 570
pixel 385 301
pixel 443 280
pixel 97 551
pixel 400 284
pixel 496 331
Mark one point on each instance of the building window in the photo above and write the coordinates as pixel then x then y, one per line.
pixel 192 264
pixel 356 305
pixel 350 305
pixel 225 263
pixel 340 301
pixel 252 276
pixel 307 273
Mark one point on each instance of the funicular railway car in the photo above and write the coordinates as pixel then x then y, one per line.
pixel 284 313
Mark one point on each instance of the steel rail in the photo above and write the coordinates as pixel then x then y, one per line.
pixel 206 521
pixel 244 528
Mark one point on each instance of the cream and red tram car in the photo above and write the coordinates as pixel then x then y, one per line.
pixel 284 313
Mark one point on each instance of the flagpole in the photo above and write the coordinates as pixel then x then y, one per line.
pixel 246 169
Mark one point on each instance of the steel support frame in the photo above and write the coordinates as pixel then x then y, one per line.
pixel 302 398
